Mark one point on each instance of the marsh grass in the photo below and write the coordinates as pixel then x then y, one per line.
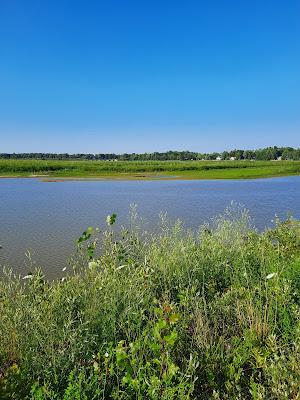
pixel 149 169
pixel 167 315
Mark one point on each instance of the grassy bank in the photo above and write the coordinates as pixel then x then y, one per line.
pixel 149 169
pixel 170 315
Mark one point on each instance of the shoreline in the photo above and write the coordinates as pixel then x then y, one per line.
pixel 53 179
pixel 189 170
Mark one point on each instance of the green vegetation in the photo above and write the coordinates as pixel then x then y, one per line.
pixel 266 154
pixel 149 169
pixel 167 315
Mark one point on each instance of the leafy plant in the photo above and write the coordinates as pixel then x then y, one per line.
pixel 167 315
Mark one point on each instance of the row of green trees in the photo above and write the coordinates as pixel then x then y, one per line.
pixel 268 153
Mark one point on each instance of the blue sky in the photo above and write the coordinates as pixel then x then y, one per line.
pixel 135 76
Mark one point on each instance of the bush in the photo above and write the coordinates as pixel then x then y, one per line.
pixel 171 315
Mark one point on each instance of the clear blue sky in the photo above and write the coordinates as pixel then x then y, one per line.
pixel 135 76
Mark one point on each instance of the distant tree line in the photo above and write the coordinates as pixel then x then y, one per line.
pixel 268 153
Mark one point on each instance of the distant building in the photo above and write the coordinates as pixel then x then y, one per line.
pixel 232 158
pixel 218 158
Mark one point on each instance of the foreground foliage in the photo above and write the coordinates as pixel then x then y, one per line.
pixel 170 315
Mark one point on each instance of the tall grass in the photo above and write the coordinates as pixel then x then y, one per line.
pixel 167 315
pixel 192 169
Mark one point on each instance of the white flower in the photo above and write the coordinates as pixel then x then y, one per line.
pixel 28 276
pixel 106 354
pixel 271 275
pixel 93 264
pixel 111 219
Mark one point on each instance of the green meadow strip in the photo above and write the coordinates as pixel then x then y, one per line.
pixel 148 169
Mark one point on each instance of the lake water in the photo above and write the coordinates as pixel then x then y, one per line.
pixel 47 218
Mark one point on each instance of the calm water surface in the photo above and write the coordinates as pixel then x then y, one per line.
pixel 47 218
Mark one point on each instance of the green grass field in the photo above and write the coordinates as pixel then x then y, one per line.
pixel 171 315
pixel 149 169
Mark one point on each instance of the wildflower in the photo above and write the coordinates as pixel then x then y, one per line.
pixel 29 276
pixel 93 264
pixel 111 219
pixel 271 275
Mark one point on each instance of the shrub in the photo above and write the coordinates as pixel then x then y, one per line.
pixel 169 315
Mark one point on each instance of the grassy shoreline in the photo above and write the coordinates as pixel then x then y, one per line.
pixel 172 315
pixel 150 170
